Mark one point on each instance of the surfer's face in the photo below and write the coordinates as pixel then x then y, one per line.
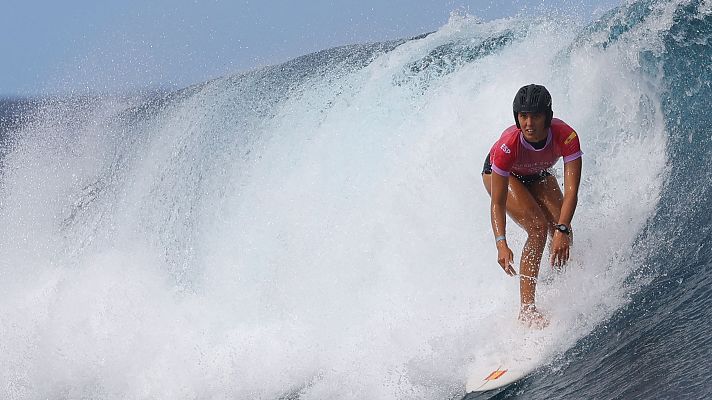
pixel 533 126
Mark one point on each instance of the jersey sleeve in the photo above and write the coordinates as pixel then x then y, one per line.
pixel 569 143
pixel 502 156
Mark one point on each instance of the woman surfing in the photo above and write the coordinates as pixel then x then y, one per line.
pixel 517 179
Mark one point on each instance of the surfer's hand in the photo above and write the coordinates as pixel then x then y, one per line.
pixel 560 249
pixel 505 258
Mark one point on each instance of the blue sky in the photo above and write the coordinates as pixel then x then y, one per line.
pixel 52 46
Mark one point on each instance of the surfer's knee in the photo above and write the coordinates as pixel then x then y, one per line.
pixel 538 227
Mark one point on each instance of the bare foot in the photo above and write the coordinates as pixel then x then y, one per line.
pixel 532 318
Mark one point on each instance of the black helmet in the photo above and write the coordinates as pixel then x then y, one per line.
pixel 534 99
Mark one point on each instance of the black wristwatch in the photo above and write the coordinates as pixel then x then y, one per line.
pixel 563 228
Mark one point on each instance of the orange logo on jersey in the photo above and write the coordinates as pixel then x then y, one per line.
pixel 571 137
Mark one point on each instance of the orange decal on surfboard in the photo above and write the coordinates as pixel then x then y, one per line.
pixel 495 375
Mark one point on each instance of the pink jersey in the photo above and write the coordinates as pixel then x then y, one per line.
pixel 511 153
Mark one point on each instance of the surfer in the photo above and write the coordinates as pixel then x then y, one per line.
pixel 522 187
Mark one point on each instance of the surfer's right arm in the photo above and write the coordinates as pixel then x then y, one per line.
pixel 498 212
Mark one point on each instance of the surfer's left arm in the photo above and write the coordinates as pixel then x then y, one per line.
pixel 561 241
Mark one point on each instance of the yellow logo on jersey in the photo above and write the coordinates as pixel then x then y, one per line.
pixel 571 137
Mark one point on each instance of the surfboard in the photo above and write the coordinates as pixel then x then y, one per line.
pixel 507 351
pixel 506 363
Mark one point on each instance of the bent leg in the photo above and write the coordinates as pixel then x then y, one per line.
pixel 523 208
pixel 548 194
pixel 549 197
